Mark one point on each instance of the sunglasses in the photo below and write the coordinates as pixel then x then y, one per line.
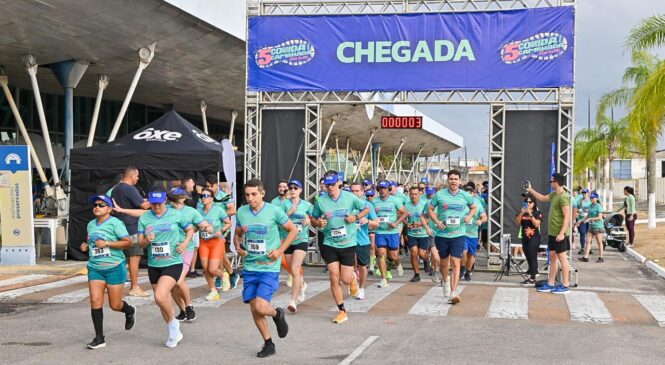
pixel 529 201
pixel 100 205
pixel 206 196
pixel 293 187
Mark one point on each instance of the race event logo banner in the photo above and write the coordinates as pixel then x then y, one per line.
pixel 528 48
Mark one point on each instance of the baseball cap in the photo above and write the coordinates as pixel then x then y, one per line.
pixel 367 182
pixel 393 183
pixel 430 190
pixel 470 186
pixel 178 191
pixel 103 198
pixel 330 179
pixel 296 183
pixel 585 190
pixel 156 197
pixel 594 195
pixel 370 192
pixel 383 184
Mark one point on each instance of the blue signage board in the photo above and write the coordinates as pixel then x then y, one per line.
pixel 529 48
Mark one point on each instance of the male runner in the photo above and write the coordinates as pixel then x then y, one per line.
pixel 472 233
pixel 418 230
pixel 451 210
pixel 256 227
pixel 364 242
pixel 333 213
pixel 391 213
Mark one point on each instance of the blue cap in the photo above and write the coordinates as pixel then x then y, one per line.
pixel 370 192
pixel 383 184
pixel 585 190
pixel 103 198
pixel 594 195
pixel 331 179
pixel 178 191
pixel 157 197
pixel 393 183
pixel 296 183
pixel 367 182
pixel 430 190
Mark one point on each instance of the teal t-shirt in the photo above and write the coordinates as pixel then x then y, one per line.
pixel 261 236
pixel 338 233
pixel 388 211
pixel 472 229
pixel 415 213
pixel 111 229
pixel 192 216
pixel 303 210
pixel 363 229
pixel 582 208
pixel 162 250
pixel 215 216
pixel 451 210
pixel 595 211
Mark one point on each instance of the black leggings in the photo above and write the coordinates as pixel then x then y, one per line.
pixel 631 228
pixel 530 247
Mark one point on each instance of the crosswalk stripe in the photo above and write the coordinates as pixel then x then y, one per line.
pixel 510 303
pixel 373 295
pixel 22 279
pixel 224 297
pixel 433 303
pixel 655 305
pixel 12 294
pixel 78 295
pixel 587 307
pixel 313 289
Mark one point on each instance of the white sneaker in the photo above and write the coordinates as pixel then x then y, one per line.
pixel 436 278
pixel 289 281
pixel 384 283
pixel 292 307
pixel 361 294
pixel 446 289
pixel 301 294
pixel 212 296
pixel 173 342
pixel 400 270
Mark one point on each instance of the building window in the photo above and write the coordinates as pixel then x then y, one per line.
pixel 662 168
pixel 622 169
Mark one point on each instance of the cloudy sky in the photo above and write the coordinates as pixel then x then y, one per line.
pixel 602 28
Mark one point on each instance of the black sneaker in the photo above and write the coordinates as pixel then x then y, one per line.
pixel 467 276
pixel 581 251
pixel 415 278
pixel 192 274
pixel 583 259
pixel 590 252
pixel 182 316
pixel 426 266
pixel 191 315
pixel 267 350
pixel 600 260
pixel 130 319
pixel 528 282
pixel 462 272
pixel 280 322
pixel 235 278
pixel 97 343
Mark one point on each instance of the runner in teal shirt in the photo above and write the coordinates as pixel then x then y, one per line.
pixel 417 230
pixel 596 228
pixel 106 230
pixel 363 250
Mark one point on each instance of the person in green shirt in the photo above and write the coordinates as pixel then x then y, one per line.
pixel 472 230
pixel 333 214
pixel 256 228
pixel 418 230
pixel 159 231
pixel 596 227
pixel 391 212
pixel 629 212
pixel 558 227
pixel 107 237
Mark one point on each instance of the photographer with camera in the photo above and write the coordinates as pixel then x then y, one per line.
pixel 529 219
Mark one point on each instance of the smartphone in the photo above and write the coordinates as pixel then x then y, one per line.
pixel 525 205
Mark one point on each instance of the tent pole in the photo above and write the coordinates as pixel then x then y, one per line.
pixel 102 82
pixel 203 107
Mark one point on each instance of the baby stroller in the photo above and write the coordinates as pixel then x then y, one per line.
pixel 615 234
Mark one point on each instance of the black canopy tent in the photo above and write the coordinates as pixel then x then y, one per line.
pixel 167 149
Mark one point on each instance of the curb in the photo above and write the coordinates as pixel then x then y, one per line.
pixel 656 268
pixel 659 270
pixel 636 255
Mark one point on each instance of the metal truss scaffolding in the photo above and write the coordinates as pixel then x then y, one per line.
pixel 495 198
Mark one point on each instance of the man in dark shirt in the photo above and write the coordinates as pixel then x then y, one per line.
pixel 127 196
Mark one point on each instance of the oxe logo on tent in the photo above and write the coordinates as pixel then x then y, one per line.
pixel 203 137
pixel 156 135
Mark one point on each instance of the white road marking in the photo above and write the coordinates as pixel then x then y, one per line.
pixel 373 295
pixel 655 304
pixel 433 303
pixel 587 307
pixel 313 289
pixel 78 295
pixel 510 303
pixel 12 294
pixel 22 279
pixel 359 350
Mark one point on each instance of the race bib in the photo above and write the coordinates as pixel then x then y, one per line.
pixel 358 225
pixel 98 252
pixel 453 221
pixel 161 249
pixel 383 219
pixel 299 227
pixel 338 232
pixel 206 236
pixel 256 247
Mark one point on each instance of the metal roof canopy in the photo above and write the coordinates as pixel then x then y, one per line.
pixel 194 60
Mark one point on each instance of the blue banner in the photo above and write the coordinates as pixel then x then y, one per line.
pixel 528 48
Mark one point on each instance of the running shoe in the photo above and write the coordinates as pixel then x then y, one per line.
pixel 377 273
pixel 235 278
pixel 182 316
pixel 191 274
pixel 138 292
pixel 280 322
pixel 97 343
pixel 600 260
pixel 560 289
pixel 547 288
pixel 218 283
pixel 267 350
pixel 528 282
pixel 426 266
pixel 384 283
pixel 173 342
pixel 302 294
pixel 583 259
pixel 581 251
pixel 341 317
pixel 353 288
pixel 361 294
pixel 292 307
pixel 289 281
pixel 389 275
pixel 467 276
pixel 415 278
pixel 436 277
pixel 454 300
pixel 462 271
pixel 446 289
pixel 213 296
pixel 130 319
pixel 370 272
pixel 191 315
pixel 400 270
pixel 372 263
pixel 226 281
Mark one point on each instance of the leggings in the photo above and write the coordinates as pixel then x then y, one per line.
pixel 212 249
pixel 631 228
pixel 530 247
pixel 583 229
